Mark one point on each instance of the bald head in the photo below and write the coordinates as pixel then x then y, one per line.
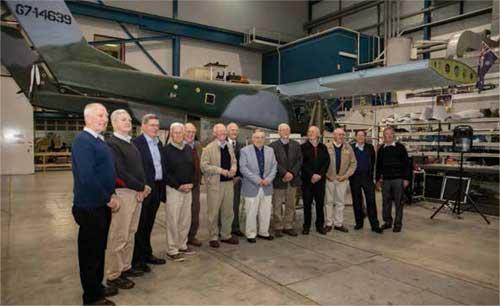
pixel 219 131
pixel 339 136
pixel 233 131
pixel 189 132
pixel 96 117
pixel 313 134
pixel 284 131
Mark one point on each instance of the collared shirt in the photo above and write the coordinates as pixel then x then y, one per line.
pixel 337 145
pixel 222 145
pixel 232 142
pixel 284 141
pixel 260 160
pixel 155 154
pixel 93 133
pixel 361 147
pixel 191 144
pixel 126 138
pixel 392 144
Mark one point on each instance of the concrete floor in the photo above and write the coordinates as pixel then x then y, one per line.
pixel 440 261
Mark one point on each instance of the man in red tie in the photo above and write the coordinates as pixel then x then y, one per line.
pixel 189 139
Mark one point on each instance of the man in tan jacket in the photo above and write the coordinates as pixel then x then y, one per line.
pixel 218 164
pixel 342 166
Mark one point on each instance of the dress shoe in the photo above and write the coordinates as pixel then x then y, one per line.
pixel 358 227
pixel 232 240
pixel 214 244
pixel 121 282
pixel 188 251
pixel 252 240
pixel 328 228
pixel 377 230
pixel 132 273
pixel 305 231
pixel 102 301
pixel 278 233
pixel 266 237
pixel 385 226
pixel 290 232
pixel 109 291
pixel 396 229
pixel 238 233
pixel 155 260
pixel 341 228
pixel 322 231
pixel 176 257
pixel 195 242
pixel 143 268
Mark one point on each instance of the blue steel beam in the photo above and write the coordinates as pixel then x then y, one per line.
pixel 129 40
pixel 156 23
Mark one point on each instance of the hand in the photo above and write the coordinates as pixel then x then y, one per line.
pixel 406 183
pixel 378 185
pixel 139 196
pixel 225 173
pixel 315 178
pixel 288 177
pixel 114 204
pixel 232 172
pixel 147 191
pixel 341 178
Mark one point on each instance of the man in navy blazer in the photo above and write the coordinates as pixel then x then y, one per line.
pixel 155 169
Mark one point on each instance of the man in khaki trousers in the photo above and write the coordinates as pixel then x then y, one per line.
pixel 342 166
pixel 218 164
pixel 131 189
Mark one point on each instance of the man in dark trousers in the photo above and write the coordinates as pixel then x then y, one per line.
pixel 362 181
pixel 232 139
pixel 315 163
pixel 289 157
pixel 393 175
pixel 155 167
pixel 196 149
pixel 94 201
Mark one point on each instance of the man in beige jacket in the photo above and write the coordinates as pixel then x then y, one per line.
pixel 218 165
pixel 342 166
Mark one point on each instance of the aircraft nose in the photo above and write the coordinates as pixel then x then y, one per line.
pixel 263 109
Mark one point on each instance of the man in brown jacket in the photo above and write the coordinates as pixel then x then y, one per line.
pixel 218 164
pixel 342 166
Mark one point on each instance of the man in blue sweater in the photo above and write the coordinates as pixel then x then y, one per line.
pixel 93 202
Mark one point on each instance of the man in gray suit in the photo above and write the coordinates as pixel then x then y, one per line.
pixel 258 168
pixel 289 157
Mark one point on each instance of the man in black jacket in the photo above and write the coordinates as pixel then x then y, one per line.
pixel 393 175
pixel 362 181
pixel 289 157
pixel 130 190
pixel 232 139
pixel 155 168
pixel 316 161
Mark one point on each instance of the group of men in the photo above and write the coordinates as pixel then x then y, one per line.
pixel 119 184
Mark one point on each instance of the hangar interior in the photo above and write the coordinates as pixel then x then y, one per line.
pixel 341 63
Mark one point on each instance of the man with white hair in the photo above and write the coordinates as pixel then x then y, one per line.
pixel 258 167
pixel 218 164
pixel 179 181
pixel 342 167
pixel 289 157
pixel 93 202
pixel 131 189
pixel 315 163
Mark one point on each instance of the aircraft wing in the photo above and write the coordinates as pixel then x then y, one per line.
pixel 415 75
